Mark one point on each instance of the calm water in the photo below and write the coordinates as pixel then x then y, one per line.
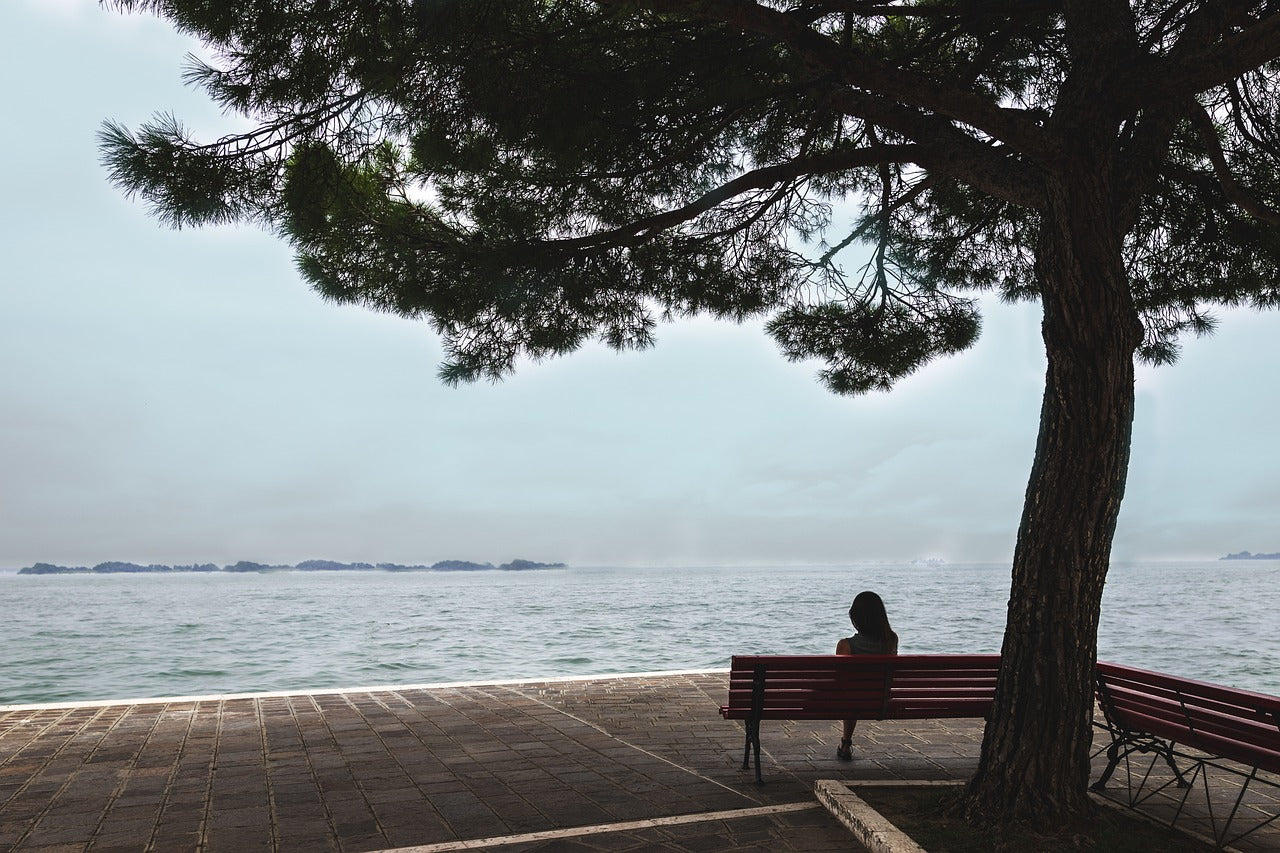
pixel 75 637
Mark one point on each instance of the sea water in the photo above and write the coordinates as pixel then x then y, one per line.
pixel 99 637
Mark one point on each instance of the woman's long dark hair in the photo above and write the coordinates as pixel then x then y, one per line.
pixel 871 620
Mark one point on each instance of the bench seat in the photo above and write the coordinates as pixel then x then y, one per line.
pixel 856 687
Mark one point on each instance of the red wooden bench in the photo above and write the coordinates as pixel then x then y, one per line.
pixel 855 687
pixel 1164 716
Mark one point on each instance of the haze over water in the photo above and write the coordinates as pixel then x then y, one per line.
pixel 99 637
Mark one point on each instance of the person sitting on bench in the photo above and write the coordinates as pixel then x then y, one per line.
pixel 873 636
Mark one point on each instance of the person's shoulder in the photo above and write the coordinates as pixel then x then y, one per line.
pixel 863 645
pixel 843 647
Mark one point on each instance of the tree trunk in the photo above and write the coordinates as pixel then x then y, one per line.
pixel 1034 765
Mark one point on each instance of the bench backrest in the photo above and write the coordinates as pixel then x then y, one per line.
pixel 1230 723
pixel 868 687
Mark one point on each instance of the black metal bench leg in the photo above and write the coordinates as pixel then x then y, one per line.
pixel 1168 757
pixel 1113 758
pixel 752 745
pixel 757 712
pixel 1122 747
pixel 759 780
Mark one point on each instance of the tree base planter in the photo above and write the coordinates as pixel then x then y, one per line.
pixel 897 816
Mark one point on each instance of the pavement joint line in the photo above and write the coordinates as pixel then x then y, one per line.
pixel 602 828
pixel 272 804
pixel 381 688
pixel 610 734
pixel 206 811
pixel 308 751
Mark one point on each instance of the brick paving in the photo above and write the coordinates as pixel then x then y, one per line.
pixel 614 763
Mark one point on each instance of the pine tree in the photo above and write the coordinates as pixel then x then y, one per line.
pixel 528 175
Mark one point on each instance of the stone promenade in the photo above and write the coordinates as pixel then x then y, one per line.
pixel 608 763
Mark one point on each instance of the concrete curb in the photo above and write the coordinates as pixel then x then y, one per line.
pixel 874 831
pixel 870 827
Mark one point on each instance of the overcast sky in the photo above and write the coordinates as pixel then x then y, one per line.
pixel 183 396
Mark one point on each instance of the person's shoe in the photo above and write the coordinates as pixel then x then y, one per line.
pixel 844 751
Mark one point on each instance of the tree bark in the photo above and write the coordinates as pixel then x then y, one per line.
pixel 1034 765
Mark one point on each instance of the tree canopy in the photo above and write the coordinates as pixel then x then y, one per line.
pixel 528 175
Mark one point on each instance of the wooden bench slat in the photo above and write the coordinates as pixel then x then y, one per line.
pixel 1222 707
pixel 1193 701
pixel 826 662
pixel 940 710
pixel 1239 706
pixel 1146 678
pixel 1247 729
pixel 790 681
pixel 1216 745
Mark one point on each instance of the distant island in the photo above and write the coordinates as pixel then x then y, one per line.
pixel 1245 555
pixel 304 566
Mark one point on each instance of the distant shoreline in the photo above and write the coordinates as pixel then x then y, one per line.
pixel 1245 555
pixel 245 566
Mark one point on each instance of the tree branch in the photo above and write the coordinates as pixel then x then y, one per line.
pixel 891 207
pixel 1143 152
pixel 1244 110
pixel 875 9
pixel 1230 186
pixel 1013 127
pixel 944 149
pixel 636 232
pixel 1191 71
